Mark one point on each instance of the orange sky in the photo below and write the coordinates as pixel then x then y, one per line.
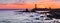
pixel 41 4
pixel 15 6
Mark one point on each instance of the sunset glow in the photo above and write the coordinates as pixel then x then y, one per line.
pixel 30 4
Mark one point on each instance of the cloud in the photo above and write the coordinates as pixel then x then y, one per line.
pixel 7 1
pixel 18 1
pixel 26 1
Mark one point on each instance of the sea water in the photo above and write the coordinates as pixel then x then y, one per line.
pixel 10 16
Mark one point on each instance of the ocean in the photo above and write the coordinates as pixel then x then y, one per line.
pixel 11 16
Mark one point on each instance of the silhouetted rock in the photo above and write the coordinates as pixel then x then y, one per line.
pixel 55 13
pixel 27 10
pixel 39 9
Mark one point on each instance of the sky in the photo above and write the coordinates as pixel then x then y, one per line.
pixel 22 4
